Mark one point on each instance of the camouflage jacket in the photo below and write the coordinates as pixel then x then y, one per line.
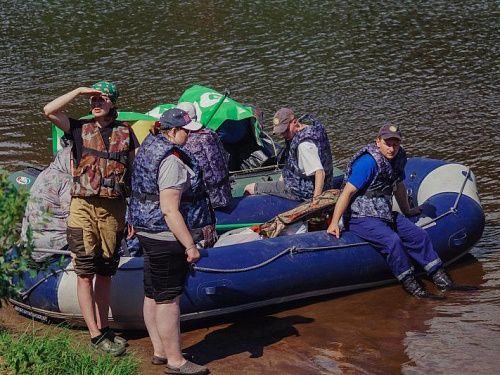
pixel 208 151
pixel 295 182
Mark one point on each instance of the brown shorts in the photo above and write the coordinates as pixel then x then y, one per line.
pixel 95 230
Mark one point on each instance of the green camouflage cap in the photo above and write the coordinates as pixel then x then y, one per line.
pixel 107 88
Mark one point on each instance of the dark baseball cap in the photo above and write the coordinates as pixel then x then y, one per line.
pixel 177 118
pixel 389 131
pixel 282 119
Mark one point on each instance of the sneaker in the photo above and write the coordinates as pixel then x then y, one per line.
pixel 187 368
pixel 107 346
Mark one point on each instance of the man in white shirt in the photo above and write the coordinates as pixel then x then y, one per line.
pixel 308 169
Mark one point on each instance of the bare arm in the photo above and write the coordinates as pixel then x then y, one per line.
pixel 169 203
pixel 340 207
pixel 53 109
pixel 319 182
pixel 402 198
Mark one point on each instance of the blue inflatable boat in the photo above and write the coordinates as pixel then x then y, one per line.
pixel 255 272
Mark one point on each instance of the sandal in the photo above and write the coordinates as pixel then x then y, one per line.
pixel 110 334
pixel 188 368
pixel 107 346
pixel 159 360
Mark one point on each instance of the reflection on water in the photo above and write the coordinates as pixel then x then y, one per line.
pixel 464 336
pixel 429 66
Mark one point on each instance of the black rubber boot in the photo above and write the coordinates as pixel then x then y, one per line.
pixel 413 287
pixel 444 282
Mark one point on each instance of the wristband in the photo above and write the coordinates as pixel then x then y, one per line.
pixel 190 247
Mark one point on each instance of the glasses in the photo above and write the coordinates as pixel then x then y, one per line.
pixel 99 99
pixel 96 100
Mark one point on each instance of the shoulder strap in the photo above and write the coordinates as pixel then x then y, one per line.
pixel 121 156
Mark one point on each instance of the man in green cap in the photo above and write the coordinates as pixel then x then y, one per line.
pixel 103 153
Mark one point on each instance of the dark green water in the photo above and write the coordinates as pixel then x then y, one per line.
pixel 430 66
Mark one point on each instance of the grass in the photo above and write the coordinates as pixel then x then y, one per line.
pixel 28 353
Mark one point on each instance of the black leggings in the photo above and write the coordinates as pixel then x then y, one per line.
pixel 165 268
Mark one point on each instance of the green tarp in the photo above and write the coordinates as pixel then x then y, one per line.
pixel 213 108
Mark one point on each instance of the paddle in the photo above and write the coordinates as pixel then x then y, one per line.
pixel 217 106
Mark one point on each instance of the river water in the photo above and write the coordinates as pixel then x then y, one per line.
pixel 430 66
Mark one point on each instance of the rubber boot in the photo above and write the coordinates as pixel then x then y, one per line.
pixel 444 282
pixel 413 287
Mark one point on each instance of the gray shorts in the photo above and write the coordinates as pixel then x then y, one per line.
pixel 276 188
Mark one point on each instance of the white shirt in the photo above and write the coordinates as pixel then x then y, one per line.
pixel 308 157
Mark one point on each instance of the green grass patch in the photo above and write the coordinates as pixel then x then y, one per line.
pixel 58 354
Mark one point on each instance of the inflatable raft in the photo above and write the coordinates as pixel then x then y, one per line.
pixel 255 272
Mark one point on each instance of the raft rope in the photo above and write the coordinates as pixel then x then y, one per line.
pixel 25 294
pixel 289 250
pixel 453 209
pixel 295 250
pixel 274 148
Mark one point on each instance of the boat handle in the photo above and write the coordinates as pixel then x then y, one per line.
pixel 460 239
pixel 210 290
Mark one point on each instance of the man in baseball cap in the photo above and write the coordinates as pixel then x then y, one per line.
pixel 281 122
pixel 374 175
pixel 388 131
pixel 308 169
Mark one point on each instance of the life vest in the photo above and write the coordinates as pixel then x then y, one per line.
pixel 297 183
pixel 101 172
pixel 144 206
pixel 376 199
pixel 208 151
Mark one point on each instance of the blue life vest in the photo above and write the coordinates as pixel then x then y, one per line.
pixel 297 183
pixel 144 207
pixel 375 200
pixel 208 151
